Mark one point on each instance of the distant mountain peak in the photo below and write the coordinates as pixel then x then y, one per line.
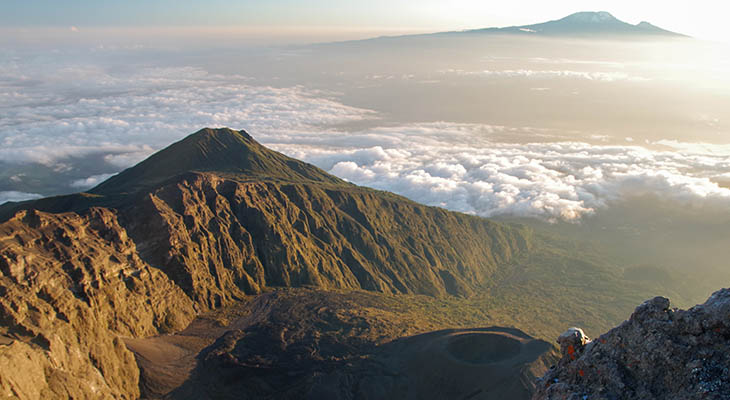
pixel 220 150
pixel 585 24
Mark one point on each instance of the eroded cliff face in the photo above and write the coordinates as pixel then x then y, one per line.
pixel 219 239
pixel 70 286
pixel 147 252
pixel 659 353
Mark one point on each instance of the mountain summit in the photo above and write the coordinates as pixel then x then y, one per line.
pixel 213 150
pixel 586 23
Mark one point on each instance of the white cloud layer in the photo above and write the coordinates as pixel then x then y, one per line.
pixel 53 116
pixel 457 167
pixel 88 183
pixel 17 196
pixel 599 76
pixel 80 110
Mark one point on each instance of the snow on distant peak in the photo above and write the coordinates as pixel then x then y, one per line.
pixel 594 17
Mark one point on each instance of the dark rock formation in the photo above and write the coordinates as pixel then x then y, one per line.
pixel 572 343
pixel 307 344
pixel 659 353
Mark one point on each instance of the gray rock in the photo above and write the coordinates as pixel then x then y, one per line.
pixel 572 343
pixel 659 353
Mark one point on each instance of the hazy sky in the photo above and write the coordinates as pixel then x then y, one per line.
pixel 700 18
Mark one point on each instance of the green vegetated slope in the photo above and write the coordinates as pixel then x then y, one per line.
pixel 678 249
pixel 217 150
pixel 220 238
pixel 564 283
pixel 217 217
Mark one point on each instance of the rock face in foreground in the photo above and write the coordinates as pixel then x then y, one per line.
pixel 659 353
pixel 70 285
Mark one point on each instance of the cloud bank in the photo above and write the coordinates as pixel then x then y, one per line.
pixel 62 117
pixel 12 195
pixel 78 110
pixel 456 166
pixel 599 76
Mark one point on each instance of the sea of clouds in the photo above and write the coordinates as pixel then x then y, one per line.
pixel 57 115
pixel 458 167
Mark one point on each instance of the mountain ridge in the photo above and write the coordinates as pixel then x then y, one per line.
pixel 173 237
pixel 583 24
pixel 659 352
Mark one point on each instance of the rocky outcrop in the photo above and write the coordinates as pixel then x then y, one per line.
pixel 659 353
pixel 70 285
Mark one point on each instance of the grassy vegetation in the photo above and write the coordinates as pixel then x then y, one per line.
pixel 559 284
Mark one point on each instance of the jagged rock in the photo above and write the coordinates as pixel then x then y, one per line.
pixel 71 284
pixel 572 342
pixel 659 353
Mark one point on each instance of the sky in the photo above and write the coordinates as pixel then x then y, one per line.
pixel 335 18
